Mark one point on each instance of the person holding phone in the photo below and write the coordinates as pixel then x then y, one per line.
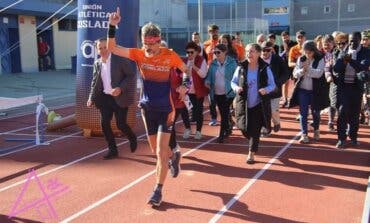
pixel 312 90
pixel 349 72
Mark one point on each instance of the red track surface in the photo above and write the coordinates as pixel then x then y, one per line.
pixel 305 183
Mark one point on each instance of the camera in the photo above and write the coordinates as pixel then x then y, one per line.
pixel 303 58
pixel 363 76
pixel 347 58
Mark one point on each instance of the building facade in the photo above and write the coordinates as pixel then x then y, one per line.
pixel 314 16
pixel 326 16
pixel 23 22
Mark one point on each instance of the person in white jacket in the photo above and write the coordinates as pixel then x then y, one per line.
pixel 309 72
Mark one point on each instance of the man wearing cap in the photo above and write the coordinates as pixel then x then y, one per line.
pixel 272 38
pixel 281 74
pixel 296 51
pixel 285 47
pixel 209 45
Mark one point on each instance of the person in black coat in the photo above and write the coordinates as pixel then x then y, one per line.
pixel 281 75
pixel 253 81
pixel 113 89
pixel 350 74
pixel 285 47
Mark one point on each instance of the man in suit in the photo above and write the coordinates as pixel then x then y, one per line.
pixel 112 92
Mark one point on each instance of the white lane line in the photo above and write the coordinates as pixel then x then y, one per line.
pixel 249 184
pixel 56 135
pixel 63 166
pixel 126 187
pixel 16 130
pixel 33 146
pixel 366 211
pixel 72 162
pixel 298 147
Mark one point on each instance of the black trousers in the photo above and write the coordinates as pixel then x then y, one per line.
pixel 349 111
pixel 197 110
pixel 185 118
pixel 255 122
pixel 107 108
pixel 223 104
pixel 212 108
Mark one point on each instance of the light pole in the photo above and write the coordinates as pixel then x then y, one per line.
pixel 200 18
pixel 231 16
pixel 338 19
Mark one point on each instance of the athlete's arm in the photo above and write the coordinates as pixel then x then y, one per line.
pixel 114 19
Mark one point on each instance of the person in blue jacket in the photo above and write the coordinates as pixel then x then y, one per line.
pixel 218 80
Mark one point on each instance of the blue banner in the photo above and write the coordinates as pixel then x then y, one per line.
pixel 92 24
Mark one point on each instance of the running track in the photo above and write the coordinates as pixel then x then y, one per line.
pixel 290 183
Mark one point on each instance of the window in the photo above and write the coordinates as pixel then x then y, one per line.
pixel 67 25
pixel 304 10
pixel 351 7
pixel 327 9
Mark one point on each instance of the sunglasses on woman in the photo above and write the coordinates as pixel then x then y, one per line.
pixel 341 43
pixel 217 52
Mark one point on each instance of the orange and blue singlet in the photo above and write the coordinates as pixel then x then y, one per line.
pixel 155 72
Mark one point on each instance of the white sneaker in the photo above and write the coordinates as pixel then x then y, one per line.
pixel 187 133
pixel 316 135
pixel 304 139
pixel 213 122
pixel 198 135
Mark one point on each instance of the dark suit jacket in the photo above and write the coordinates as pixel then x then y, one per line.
pixel 281 74
pixel 122 75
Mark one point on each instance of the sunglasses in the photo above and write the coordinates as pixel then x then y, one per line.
pixel 300 37
pixel 217 52
pixel 341 43
pixel 190 52
pixel 266 50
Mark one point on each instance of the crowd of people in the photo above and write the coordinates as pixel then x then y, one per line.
pixel 247 84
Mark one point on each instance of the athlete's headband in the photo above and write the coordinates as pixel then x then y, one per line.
pixel 152 39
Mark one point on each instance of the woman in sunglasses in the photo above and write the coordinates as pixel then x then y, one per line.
pixel 218 80
pixel 197 90
pixel 253 81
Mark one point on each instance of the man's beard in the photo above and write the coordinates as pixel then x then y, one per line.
pixel 215 37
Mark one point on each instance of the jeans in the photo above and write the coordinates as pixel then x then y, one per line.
pixel 305 100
